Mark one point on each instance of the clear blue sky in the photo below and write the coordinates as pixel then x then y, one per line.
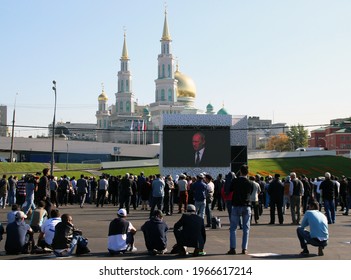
pixel 289 61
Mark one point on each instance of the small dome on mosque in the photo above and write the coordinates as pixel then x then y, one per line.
pixel 209 107
pixel 222 111
pixel 103 96
pixel 186 85
pixel 146 112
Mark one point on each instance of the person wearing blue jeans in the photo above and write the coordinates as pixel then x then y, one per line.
pixel 242 188
pixel 318 234
pixel 329 192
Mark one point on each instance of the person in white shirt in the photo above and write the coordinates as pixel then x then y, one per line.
pixel 47 232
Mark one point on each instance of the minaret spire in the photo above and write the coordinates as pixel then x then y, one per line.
pixel 165 34
pixel 125 50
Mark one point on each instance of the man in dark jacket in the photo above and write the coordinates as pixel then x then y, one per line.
pixel 276 194
pixel 190 231
pixel 242 188
pixel 125 192
pixel 67 237
pixel 329 192
pixel 155 234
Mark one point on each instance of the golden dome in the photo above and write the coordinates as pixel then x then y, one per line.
pixel 186 86
pixel 103 96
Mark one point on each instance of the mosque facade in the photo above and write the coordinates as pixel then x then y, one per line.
pixel 128 122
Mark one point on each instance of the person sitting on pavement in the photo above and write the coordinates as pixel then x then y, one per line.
pixel 19 237
pixel 47 231
pixel 39 216
pixel 190 231
pixel 155 234
pixel 11 216
pixel 67 238
pixel 121 234
pixel 318 235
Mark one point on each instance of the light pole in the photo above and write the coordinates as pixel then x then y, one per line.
pixel 13 129
pixel 67 156
pixel 53 133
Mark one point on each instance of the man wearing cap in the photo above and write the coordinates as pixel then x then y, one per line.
pixel 19 236
pixel 155 234
pixel 276 194
pixel 121 234
pixel 190 231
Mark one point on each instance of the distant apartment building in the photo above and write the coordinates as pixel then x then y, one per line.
pixel 3 121
pixel 336 136
pixel 261 130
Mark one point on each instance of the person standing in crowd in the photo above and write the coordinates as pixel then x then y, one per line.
pixel 93 190
pixel 125 192
pixel 47 231
pixel 63 190
pixel 296 192
pixel 12 190
pixel 209 199
pixel 140 182
pixel 242 188
pixel 182 193
pixel 307 192
pixel 200 190
pixel 113 183
pixel 318 235
pixel 121 234
pixel 329 192
pixel 217 196
pixel 102 189
pixel 155 234
pixel 261 195
pixel 227 193
pixel 53 190
pixel 19 237
pixel 4 187
pixel 348 197
pixel 133 197
pixel 30 188
pixel 158 193
pixel 254 199
pixel 82 190
pixel 168 199
pixel 286 197
pixel 43 185
pixel 276 194
pixel 189 231
pixel 21 191
pixel 145 191
pixel 343 193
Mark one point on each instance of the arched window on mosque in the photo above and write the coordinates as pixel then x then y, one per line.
pixel 122 86
pixel 169 94
pixel 127 86
pixel 157 97
pixel 162 95
pixel 128 106
pixel 121 106
pixel 163 70
pixel 169 71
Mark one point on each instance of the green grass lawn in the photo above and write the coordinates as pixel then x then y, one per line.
pixel 310 166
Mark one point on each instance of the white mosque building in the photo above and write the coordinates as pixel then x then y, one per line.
pixel 128 122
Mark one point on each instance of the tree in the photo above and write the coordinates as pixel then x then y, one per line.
pixel 298 136
pixel 279 143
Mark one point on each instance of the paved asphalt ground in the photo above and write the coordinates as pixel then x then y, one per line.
pixel 267 242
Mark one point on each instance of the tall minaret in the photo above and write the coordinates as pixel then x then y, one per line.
pixel 102 116
pixel 166 85
pixel 124 97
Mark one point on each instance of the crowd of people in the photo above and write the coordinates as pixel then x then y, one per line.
pixel 39 199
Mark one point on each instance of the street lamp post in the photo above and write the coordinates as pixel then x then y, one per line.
pixel 13 129
pixel 53 133
pixel 67 157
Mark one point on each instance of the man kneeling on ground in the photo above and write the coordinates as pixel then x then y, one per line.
pixel 318 235
pixel 190 231
pixel 155 234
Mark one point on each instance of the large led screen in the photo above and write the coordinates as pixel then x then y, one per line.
pixel 196 146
